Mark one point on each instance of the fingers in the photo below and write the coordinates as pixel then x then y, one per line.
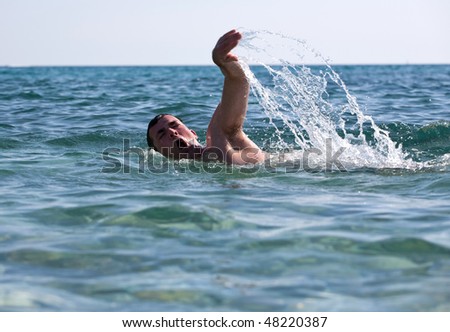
pixel 229 41
pixel 230 35
pixel 230 32
pixel 228 45
pixel 225 44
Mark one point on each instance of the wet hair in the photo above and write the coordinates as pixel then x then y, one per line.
pixel 153 122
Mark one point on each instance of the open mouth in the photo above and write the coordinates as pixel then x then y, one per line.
pixel 180 143
pixel 186 149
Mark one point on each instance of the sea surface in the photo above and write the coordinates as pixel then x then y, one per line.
pixel 90 220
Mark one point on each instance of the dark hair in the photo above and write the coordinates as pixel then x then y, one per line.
pixel 153 122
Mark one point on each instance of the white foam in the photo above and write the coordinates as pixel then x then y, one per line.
pixel 300 98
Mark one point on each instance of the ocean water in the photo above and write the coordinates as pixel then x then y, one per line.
pixel 92 221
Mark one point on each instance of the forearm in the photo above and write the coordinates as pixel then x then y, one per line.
pixel 234 103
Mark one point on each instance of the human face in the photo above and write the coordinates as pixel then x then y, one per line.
pixel 172 138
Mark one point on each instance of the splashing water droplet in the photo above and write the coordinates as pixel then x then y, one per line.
pixel 314 106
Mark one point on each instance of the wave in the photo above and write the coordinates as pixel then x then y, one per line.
pixel 99 138
pixel 421 141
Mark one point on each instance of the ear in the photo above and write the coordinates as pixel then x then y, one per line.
pixel 194 134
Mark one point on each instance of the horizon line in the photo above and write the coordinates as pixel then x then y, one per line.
pixel 213 65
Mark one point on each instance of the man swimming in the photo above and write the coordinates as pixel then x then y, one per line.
pixel 225 139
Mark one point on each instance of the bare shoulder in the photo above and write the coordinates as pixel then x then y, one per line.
pixel 236 149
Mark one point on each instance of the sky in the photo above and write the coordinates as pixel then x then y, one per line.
pixel 183 32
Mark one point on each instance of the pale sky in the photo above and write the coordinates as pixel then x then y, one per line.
pixel 179 32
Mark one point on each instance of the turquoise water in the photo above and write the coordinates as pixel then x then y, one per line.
pixel 82 232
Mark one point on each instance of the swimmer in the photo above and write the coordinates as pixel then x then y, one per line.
pixel 225 139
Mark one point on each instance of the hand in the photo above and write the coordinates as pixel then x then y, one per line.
pixel 221 53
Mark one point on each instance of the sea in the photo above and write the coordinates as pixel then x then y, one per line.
pixel 351 212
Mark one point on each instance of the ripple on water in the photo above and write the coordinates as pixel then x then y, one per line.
pixel 202 238
pixel 177 218
pixel 72 216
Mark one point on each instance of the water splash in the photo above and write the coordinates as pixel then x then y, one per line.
pixel 314 106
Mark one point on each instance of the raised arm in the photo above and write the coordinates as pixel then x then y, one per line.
pixel 225 131
pixel 230 113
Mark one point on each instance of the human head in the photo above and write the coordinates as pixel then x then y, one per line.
pixel 169 136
